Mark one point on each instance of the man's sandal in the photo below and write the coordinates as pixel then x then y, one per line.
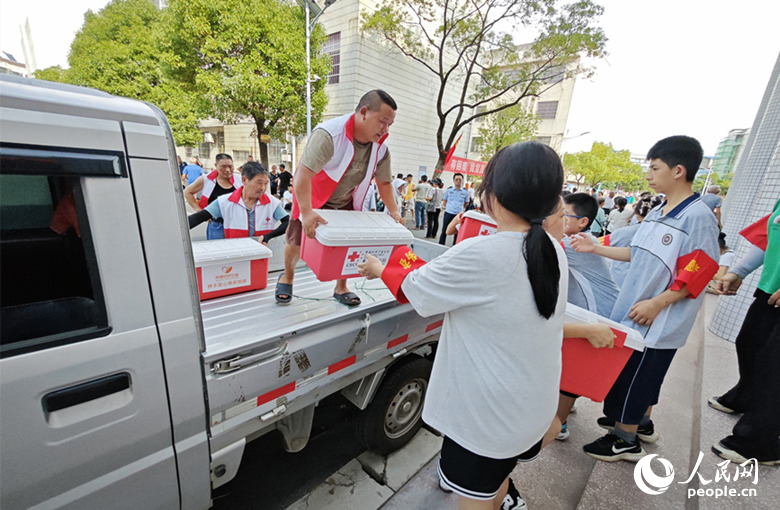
pixel 284 292
pixel 348 298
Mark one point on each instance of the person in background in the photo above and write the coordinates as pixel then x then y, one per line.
pixel 597 227
pixel 191 172
pixel 623 236
pixel 210 187
pixel 274 175
pixel 454 201
pixel 409 197
pixel 421 191
pixel 249 211
pixel 369 204
pixel 609 202
pixel 714 202
pixel 620 216
pixel 182 164
pixel 287 199
pixel 434 208
pixel 284 180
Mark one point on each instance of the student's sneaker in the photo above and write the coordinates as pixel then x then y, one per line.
pixel 715 403
pixel 513 500
pixel 611 448
pixel 724 448
pixel 645 433
pixel 563 435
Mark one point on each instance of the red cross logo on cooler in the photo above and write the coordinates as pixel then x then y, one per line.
pixel 354 257
pixel 268 219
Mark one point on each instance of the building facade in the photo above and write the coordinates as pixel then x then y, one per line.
pixel 754 191
pixel 362 63
pixel 729 151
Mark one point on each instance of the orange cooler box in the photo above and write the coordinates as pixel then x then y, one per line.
pixel 591 372
pixel 348 236
pixel 475 224
pixel 230 266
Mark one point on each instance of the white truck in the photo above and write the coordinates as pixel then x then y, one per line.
pixel 118 387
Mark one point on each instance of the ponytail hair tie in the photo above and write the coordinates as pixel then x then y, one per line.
pixel 537 222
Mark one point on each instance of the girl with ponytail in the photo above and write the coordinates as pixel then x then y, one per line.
pixel 493 390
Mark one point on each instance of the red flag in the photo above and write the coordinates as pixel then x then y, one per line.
pixel 452 150
pixel 757 233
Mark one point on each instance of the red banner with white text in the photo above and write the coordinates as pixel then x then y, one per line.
pixel 465 166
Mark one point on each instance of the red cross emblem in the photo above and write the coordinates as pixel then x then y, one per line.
pixel 354 257
pixel 267 219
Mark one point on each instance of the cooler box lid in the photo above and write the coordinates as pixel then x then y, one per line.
pixel 351 228
pixel 577 315
pixel 476 215
pixel 234 250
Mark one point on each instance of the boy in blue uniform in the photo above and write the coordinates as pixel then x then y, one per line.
pixel 590 281
pixel 673 256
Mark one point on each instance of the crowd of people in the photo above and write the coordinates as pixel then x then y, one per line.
pixel 494 392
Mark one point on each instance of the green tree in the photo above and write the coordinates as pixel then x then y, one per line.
pixel 604 165
pixel 247 58
pixel 715 180
pixel 53 73
pixel 118 50
pixel 463 44
pixel 505 127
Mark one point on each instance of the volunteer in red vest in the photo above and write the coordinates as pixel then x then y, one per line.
pixel 335 171
pixel 220 182
pixel 250 210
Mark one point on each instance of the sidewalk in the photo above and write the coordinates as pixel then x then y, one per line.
pixel 565 478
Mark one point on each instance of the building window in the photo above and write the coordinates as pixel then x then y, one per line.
pixel 544 139
pixel 553 74
pixel 332 47
pixel 547 109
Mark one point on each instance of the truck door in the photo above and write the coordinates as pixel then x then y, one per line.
pixel 85 416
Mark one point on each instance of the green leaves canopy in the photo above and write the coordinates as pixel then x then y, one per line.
pixel 469 47
pixel 117 50
pixel 606 166
pixel 247 58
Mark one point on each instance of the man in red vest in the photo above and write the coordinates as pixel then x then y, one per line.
pixel 335 171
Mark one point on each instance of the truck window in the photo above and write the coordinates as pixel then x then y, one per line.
pixel 50 291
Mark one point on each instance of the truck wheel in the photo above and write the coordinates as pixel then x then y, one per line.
pixel 395 414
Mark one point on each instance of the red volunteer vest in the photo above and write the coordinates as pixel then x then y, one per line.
pixel 209 183
pixel 324 183
pixel 236 216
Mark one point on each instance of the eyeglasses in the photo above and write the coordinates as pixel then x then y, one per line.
pixel 574 216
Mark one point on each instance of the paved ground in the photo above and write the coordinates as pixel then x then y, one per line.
pixel 564 477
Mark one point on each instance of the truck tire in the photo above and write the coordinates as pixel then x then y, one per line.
pixel 395 414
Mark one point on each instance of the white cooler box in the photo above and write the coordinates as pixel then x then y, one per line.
pixel 348 236
pixel 230 266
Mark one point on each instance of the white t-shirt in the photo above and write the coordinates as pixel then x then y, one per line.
pixel 494 386
pixel 726 259
pixel 287 197
pixel 619 219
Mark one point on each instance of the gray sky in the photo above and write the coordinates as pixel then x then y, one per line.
pixel 695 67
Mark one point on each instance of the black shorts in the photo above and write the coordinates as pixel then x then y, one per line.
pixel 474 476
pixel 638 386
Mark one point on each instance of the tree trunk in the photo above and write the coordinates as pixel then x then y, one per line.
pixel 439 168
pixel 260 129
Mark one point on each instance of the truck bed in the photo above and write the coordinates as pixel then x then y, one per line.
pixel 264 361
